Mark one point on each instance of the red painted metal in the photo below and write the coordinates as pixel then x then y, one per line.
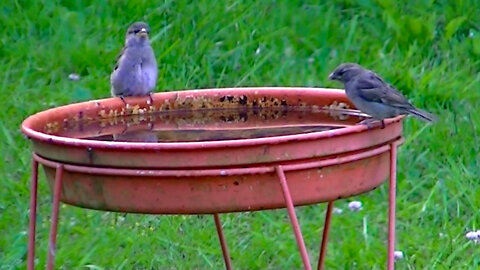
pixel 217 172
pixel 391 206
pixel 33 216
pixel 293 218
pixel 213 177
pixel 257 189
pixel 223 242
pixel 326 230
pixel 52 243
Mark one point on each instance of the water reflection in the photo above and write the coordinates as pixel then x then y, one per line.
pixel 210 125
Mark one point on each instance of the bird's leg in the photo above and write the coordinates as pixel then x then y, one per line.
pixel 383 124
pixel 151 99
pixel 123 100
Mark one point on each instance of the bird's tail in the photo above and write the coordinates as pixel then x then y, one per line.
pixel 423 115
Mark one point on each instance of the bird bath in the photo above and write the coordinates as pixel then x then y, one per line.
pixel 209 152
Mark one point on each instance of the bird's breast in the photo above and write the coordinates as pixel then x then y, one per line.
pixel 149 76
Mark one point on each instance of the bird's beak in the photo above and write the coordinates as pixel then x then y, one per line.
pixel 143 33
pixel 332 76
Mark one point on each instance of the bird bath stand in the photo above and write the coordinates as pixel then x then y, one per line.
pixel 261 156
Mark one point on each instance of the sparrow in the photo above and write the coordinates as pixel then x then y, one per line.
pixel 135 73
pixel 372 95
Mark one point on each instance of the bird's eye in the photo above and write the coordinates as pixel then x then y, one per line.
pixel 136 31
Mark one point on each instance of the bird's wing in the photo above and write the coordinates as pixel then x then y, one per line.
pixel 374 88
pixel 117 60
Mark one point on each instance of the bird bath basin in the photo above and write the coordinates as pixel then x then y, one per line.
pixel 211 151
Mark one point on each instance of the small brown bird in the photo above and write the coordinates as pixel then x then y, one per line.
pixel 135 73
pixel 372 95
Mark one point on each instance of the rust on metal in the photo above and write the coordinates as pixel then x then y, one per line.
pixel 199 105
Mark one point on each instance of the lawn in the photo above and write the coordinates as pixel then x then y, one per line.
pixel 429 49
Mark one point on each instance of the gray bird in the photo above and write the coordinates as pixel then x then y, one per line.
pixel 372 95
pixel 135 73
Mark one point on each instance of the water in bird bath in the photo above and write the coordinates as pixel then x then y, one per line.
pixel 209 124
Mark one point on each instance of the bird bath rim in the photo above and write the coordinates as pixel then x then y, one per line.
pixel 53 139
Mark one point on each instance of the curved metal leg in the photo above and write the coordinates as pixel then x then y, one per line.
pixel 326 230
pixel 293 218
pixel 33 216
pixel 223 242
pixel 391 206
pixel 55 210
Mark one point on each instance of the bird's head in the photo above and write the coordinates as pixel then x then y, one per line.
pixel 345 72
pixel 138 33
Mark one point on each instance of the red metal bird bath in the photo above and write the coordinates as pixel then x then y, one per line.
pixel 168 162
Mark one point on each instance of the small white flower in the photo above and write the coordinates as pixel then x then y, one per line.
pixel 473 235
pixel 355 206
pixel 311 60
pixel 398 255
pixel 471 34
pixel 258 50
pixel 74 77
pixel 336 210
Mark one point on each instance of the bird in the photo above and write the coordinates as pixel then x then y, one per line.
pixel 370 94
pixel 135 73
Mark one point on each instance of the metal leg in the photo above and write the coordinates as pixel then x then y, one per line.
pixel 33 216
pixel 223 242
pixel 293 218
pixel 55 210
pixel 391 206
pixel 326 230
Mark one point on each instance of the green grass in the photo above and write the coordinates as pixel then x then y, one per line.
pixel 428 49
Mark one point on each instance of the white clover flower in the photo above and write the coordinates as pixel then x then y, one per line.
pixel 355 206
pixel 473 235
pixel 398 255
pixel 336 210
pixel 74 77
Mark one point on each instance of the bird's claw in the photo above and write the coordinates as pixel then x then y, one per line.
pixel 372 123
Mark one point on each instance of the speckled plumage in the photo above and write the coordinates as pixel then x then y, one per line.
pixel 135 73
pixel 372 95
